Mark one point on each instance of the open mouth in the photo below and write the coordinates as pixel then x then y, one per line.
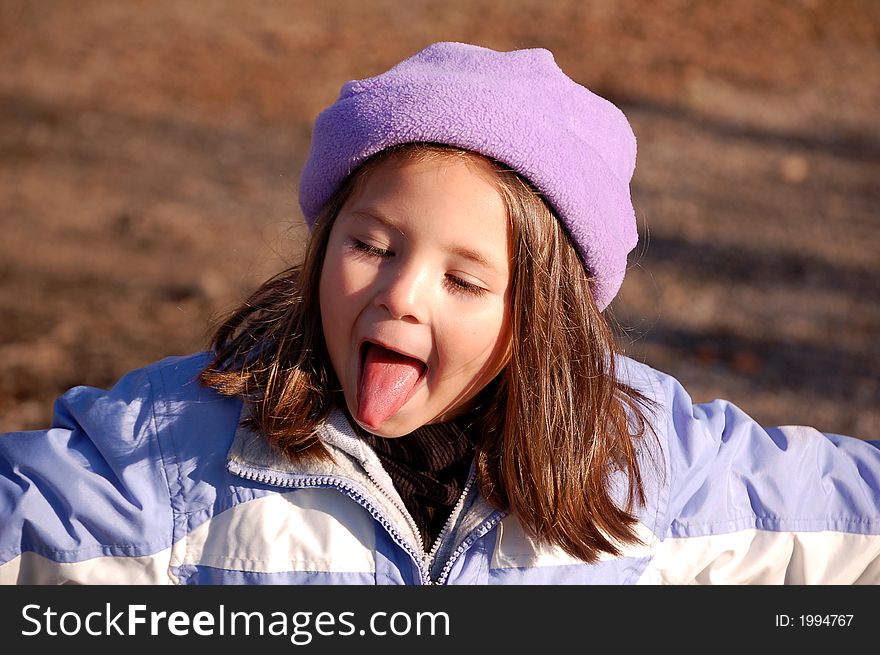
pixel 385 351
pixel 386 380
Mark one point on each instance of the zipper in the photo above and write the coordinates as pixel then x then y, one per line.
pixel 424 560
pixel 475 534
pixel 427 558
pixel 453 515
pixel 352 492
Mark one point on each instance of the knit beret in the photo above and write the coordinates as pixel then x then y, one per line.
pixel 517 107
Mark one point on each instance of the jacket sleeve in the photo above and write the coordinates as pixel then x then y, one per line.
pixel 87 501
pixel 754 505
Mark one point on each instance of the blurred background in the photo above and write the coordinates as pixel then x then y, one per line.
pixel 149 155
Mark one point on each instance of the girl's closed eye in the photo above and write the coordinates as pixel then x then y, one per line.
pixel 370 250
pixel 458 285
pixel 454 283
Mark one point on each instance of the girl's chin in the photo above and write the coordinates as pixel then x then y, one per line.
pixel 398 425
pixel 392 428
pixel 404 421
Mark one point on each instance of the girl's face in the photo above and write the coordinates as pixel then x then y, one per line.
pixel 414 292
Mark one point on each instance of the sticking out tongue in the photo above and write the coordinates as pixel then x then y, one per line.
pixel 387 378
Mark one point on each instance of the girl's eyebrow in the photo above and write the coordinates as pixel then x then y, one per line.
pixel 461 251
pixel 477 257
pixel 372 215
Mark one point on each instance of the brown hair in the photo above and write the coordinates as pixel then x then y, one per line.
pixel 550 429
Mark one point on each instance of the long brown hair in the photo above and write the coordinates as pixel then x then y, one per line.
pixel 552 427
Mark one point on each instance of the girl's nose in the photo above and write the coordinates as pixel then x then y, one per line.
pixel 404 295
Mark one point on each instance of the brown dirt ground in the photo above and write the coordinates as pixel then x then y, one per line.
pixel 149 155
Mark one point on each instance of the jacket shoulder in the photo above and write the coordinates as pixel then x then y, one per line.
pixel 108 482
pixel 749 503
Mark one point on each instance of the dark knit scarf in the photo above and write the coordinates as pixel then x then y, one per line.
pixel 429 468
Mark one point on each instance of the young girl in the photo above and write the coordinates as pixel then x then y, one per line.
pixel 434 394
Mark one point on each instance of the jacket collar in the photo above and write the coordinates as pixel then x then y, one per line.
pixel 352 465
pixel 252 451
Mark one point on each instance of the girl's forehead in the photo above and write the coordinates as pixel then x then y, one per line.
pixel 407 161
pixel 439 181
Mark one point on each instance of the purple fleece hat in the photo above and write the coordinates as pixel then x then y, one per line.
pixel 518 107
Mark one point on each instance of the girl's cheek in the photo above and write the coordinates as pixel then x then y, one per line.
pixel 355 277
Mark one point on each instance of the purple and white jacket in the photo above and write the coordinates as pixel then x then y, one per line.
pixel 155 482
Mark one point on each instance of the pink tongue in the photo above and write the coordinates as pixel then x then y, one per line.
pixel 387 378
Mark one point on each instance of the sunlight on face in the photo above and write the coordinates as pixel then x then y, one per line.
pixel 418 262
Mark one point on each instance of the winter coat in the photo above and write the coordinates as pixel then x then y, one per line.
pixel 155 481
